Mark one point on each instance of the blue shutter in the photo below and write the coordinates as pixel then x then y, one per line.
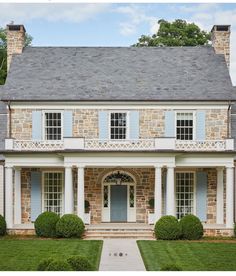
pixel 103 125
pixel 35 195
pixel 200 125
pixel 134 125
pixel 37 125
pixel 201 196
pixel 68 123
pixel 169 124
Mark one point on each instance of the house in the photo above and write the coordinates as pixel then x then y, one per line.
pixel 118 127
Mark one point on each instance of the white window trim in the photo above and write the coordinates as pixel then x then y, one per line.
pixel 63 189
pixel 194 189
pixel 44 125
pixel 194 122
pixel 127 124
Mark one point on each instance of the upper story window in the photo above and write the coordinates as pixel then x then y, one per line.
pixel 184 126
pixel 53 125
pixel 118 125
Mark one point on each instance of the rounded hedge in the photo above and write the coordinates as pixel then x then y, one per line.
pixel 167 228
pixel 191 227
pixel 43 264
pixel 45 224
pixel 3 226
pixel 69 226
pixel 80 263
pixel 58 265
pixel 170 267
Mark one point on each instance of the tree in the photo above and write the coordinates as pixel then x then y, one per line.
pixel 176 33
pixel 3 53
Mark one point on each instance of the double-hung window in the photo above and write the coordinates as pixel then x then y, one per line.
pixel 184 126
pixel 184 193
pixel 118 125
pixel 53 125
pixel 53 192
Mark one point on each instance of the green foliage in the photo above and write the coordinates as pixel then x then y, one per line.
pixel 80 263
pixel 176 33
pixel 167 228
pixel 58 265
pixel 3 52
pixel 191 227
pixel 43 264
pixel 69 226
pixel 151 203
pixel 45 224
pixel 3 226
pixel 170 267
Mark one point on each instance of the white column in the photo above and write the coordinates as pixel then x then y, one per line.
pixel 170 192
pixel 80 193
pixel 229 197
pixel 220 196
pixel 158 194
pixel 69 193
pixel 9 196
pixel 17 195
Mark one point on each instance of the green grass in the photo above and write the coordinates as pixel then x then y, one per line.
pixel 190 256
pixel 21 255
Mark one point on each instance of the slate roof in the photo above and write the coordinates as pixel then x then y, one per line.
pixel 118 73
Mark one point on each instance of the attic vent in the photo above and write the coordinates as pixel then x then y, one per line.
pixel 14 27
pixel 222 28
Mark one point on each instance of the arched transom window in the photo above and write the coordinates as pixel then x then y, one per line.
pixel 122 176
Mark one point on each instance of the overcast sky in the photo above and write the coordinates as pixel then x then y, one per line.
pixel 112 24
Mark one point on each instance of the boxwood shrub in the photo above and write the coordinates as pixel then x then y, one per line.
pixel 167 228
pixel 80 263
pixel 45 224
pixel 171 267
pixel 191 227
pixel 3 226
pixel 58 265
pixel 69 226
pixel 43 264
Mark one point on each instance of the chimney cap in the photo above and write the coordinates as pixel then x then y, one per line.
pixel 221 28
pixel 15 27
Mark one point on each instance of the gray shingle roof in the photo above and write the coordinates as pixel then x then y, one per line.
pixel 101 73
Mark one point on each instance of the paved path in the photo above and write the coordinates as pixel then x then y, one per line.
pixel 121 254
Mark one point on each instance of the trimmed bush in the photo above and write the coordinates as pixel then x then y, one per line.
pixel 191 227
pixel 45 224
pixel 80 263
pixel 167 228
pixel 3 226
pixel 58 265
pixel 43 265
pixel 70 226
pixel 170 267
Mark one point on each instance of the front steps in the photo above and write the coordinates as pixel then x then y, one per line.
pixel 116 231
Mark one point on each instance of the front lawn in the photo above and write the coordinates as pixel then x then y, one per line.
pixel 190 256
pixel 18 254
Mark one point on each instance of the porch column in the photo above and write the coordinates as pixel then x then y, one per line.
pixel 170 192
pixel 220 196
pixel 69 194
pixel 9 197
pixel 158 193
pixel 80 193
pixel 229 197
pixel 17 195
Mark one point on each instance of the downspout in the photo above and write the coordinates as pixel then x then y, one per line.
pixel 229 121
pixel 9 113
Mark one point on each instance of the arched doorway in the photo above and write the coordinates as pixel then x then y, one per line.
pixel 118 197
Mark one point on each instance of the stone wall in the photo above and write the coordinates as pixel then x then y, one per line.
pixel 152 123
pixel 25 196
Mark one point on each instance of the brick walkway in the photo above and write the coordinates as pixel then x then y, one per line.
pixel 121 255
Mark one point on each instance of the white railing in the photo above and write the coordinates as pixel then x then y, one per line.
pixel 140 144
pixel 208 145
pixel 35 145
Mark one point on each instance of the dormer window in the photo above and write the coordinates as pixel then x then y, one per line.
pixel 184 126
pixel 53 125
pixel 118 125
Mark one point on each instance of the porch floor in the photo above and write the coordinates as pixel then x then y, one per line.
pixel 125 226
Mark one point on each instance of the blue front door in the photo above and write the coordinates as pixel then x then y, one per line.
pixel 118 203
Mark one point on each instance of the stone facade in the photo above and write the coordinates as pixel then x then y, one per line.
pixel 218 232
pixel 152 123
pixel 25 196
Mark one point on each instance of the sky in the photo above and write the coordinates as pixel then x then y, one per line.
pixel 112 24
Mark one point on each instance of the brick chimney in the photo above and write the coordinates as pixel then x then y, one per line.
pixel 15 41
pixel 220 37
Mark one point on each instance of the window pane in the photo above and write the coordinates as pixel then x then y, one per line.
pixel 118 126
pixel 53 125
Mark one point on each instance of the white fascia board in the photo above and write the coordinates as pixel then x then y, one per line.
pixel 119 105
